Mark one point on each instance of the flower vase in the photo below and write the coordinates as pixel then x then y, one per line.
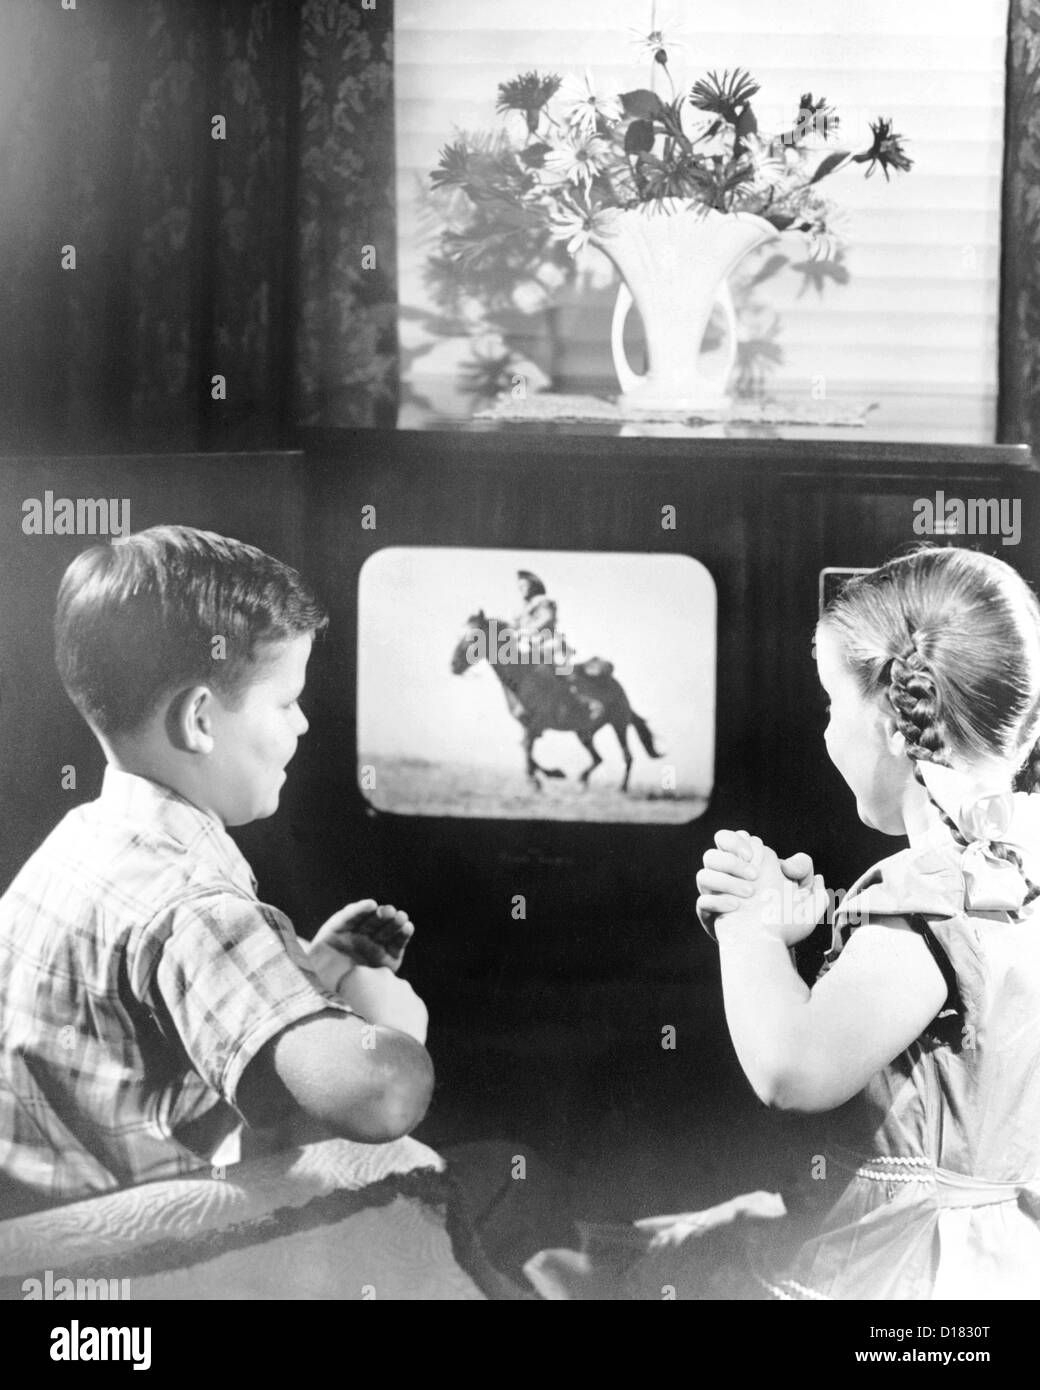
pixel 674 260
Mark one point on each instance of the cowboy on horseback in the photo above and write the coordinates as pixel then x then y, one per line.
pixel 538 629
pixel 538 636
pixel 582 704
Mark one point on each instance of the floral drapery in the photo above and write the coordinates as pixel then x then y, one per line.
pixel 1020 297
pixel 193 257
pixel 347 334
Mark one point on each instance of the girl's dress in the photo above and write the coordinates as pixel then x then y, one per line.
pixel 927 1184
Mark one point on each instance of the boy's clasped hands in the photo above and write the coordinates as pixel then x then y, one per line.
pixel 744 888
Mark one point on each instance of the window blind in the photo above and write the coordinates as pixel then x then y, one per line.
pixel 915 326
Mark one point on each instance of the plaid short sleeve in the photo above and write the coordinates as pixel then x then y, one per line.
pixel 231 976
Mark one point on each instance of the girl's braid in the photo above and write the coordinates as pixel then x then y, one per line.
pixel 914 698
pixel 1028 776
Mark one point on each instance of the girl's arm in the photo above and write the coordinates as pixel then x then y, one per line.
pixel 811 1050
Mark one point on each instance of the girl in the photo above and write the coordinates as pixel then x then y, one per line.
pixel 921 1036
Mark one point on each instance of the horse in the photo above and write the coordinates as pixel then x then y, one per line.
pixel 542 695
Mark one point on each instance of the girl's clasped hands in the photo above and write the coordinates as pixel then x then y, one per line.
pixel 745 887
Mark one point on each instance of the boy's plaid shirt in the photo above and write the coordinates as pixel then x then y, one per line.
pixel 139 974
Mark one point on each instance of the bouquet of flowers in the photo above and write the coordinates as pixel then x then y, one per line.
pixel 568 153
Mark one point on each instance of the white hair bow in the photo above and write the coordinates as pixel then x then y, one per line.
pixel 987 817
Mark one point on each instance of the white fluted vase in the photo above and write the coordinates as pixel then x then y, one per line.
pixel 674 259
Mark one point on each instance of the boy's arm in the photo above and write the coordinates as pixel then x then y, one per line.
pixel 364 1076
pixel 260 1034
pixel 360 1081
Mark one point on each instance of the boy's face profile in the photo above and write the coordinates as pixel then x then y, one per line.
pixel 254 736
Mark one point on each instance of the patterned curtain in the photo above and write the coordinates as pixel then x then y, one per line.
pixel 241 258
pixel 1020 294
pixel 347 337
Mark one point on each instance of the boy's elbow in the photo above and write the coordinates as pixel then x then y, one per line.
pixel 391 1100
pixel 398 1104
pixel 368 1085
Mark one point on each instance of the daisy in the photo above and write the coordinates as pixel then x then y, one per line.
pixel 573 225
pixel 528 94
pixel 726 96
pixel 775 169
pixel 582 106
pixel 711 134
pixel 886 151
pixel 658 43
pixel 577 162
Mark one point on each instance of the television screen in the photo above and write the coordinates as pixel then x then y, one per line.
pixel 834 578
pixel 536 685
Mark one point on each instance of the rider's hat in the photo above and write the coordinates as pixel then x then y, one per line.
pixel 536 585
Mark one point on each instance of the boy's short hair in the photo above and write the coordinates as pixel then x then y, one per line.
pixel 141 616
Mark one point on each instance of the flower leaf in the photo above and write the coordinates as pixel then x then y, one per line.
pixel 533 156
pixel 643 104
pixel 639 137
pixel 747 123
pixel 828 164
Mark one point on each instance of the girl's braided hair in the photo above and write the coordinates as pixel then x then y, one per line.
pixel 952 637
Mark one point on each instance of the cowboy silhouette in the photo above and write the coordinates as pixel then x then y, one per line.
pixel 536 654
pixel 538 630
pixel 536 625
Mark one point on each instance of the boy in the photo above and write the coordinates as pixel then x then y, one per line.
pixel 148 1001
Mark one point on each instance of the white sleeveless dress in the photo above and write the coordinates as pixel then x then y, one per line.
pixel 926 1185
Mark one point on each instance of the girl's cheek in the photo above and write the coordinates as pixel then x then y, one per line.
pixel 828 741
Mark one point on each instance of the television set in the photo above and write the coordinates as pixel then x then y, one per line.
pixel 694 568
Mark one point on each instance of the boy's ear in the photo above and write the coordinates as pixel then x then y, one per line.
pixel 189 720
